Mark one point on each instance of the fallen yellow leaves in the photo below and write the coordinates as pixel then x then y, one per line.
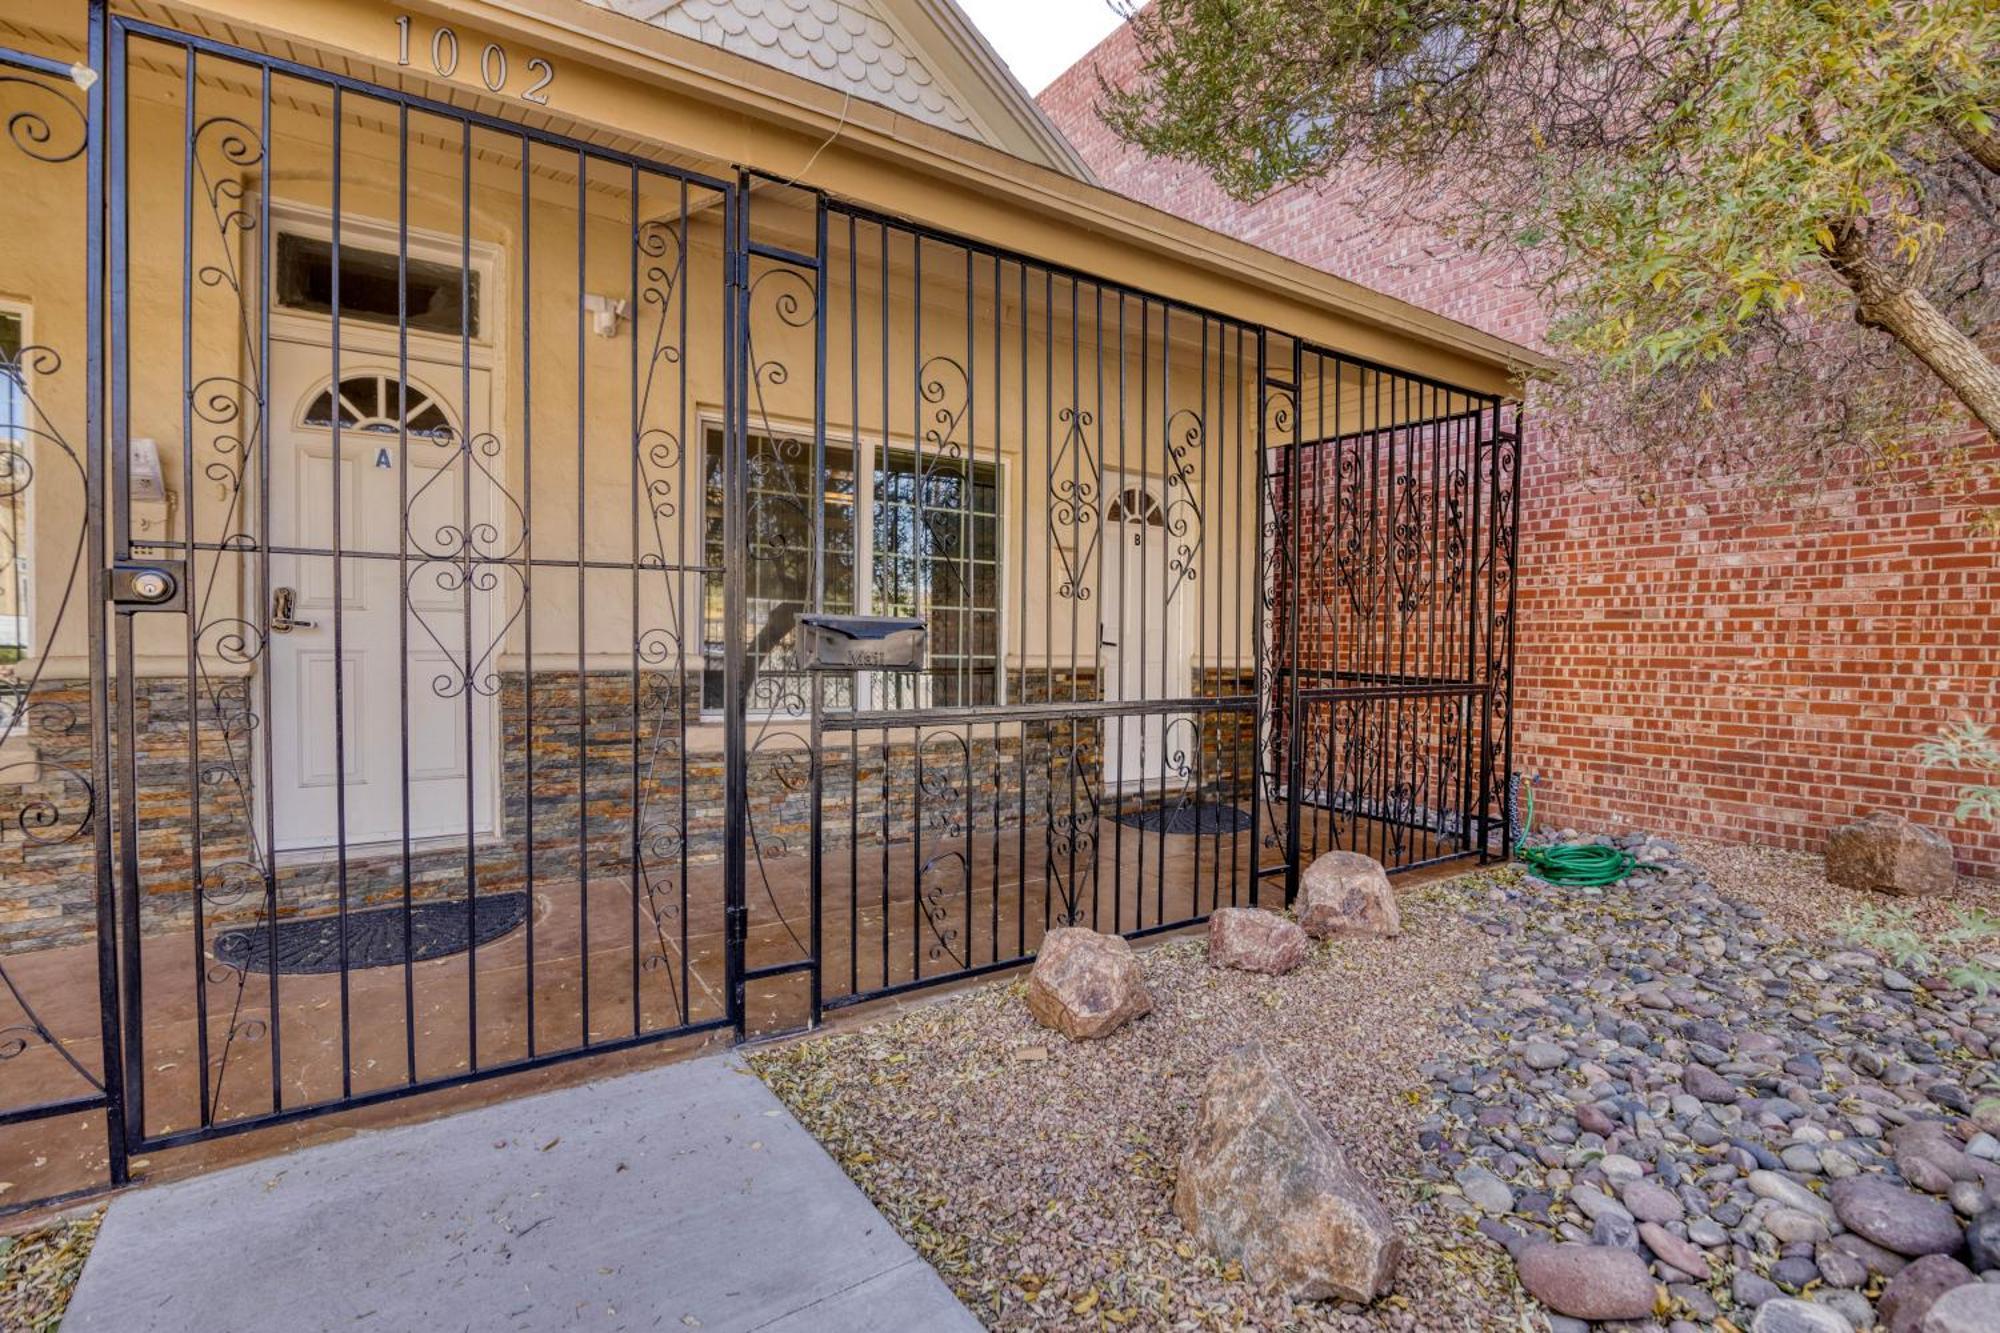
pixel 38 1272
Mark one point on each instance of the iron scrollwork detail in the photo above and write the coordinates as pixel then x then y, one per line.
pixel 1074 808
pixel 50 127
pixel 54 800
pixel 1075 503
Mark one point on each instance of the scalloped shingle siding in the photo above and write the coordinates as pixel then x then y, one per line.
pixel 843 44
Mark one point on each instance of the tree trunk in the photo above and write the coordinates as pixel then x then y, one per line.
pixel 1885 299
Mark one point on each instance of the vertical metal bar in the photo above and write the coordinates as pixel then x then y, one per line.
pixel 633 487
pixel 1294 526
pixel 1507 830
pixel 861 592
pixel 1334 711
pixel 1475 670
pixel 403 582
pixel 1099 518
pixel 736 813
pixel 818 766
pixel 1117 725
pixel 883 475
pixel 680 587
pixel 582 604
pixel 1049 463
pixel 1021 753
pixel 920 558
pixel 1233 592
pixel 265 688
pixel 126 784
pixel 527 576
pixel 999 609
pixel 1435 631
pixel 471 692
pixel 197 890
pixel 1490 452
pixel 339 637
pixel 1167 611
pixel 967 583
pixel 1144 718
pixel 1260 683
pixel 1078 496
pixel 1199 591
pixel 112 1057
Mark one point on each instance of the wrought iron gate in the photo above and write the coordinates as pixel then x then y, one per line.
pixel 423 697
pixel 1203 600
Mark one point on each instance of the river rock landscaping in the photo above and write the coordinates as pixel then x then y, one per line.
pixel 1684 1101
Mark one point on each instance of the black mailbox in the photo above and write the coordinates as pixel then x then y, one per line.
pixel 862 643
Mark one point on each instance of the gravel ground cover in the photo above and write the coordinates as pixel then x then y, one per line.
pixel 39 1269
pixel 1036 1174
pixel 1686 1065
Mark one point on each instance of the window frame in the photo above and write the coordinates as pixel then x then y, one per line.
pixel 21 644
pixel 871 698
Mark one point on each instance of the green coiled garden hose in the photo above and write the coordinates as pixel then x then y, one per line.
pixel 1588 865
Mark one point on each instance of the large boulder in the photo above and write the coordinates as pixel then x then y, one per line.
pixel 1086 985
pixel 1254 940
pixel 1888 854
pixel 1346 893
pixel 1263 1183
pixel 1587 1281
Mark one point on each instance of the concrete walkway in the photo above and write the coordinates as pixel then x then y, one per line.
pixel 678 1198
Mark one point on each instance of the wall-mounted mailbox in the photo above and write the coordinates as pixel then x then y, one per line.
pixel 862 643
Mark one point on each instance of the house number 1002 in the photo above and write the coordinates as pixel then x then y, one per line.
pixel 492 62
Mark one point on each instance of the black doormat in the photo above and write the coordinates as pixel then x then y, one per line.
pixel 1188 819
pixel 308 945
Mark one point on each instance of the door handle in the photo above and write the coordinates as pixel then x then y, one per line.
pixel 283 600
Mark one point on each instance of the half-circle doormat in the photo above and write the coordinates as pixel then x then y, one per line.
pixel 1201 820
pixel 309 945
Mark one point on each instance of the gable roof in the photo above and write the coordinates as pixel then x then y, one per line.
pixel 921 58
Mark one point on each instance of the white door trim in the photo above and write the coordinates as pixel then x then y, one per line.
pixel 1165 614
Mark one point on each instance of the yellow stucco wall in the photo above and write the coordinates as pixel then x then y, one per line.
pixel 195 322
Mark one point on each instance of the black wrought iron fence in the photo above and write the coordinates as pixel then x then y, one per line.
pixel 424 697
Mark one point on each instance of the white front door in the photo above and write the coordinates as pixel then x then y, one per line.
pixel 1144 652
pixel 412 690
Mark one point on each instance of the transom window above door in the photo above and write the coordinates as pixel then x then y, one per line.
pixel 378 402
pixel 376 286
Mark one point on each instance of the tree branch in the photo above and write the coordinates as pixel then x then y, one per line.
pixel 1884 299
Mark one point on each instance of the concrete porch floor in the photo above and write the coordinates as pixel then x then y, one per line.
pixel 679 1197
pixel 876 932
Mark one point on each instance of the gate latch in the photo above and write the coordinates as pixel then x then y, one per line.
pixel 152 585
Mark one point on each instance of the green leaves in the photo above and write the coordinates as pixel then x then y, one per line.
pixel 1680 169
pixel 1969 747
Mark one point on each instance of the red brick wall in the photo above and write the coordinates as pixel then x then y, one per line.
pixel 1720 662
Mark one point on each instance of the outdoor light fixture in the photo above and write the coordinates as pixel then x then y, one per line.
pixel 605 312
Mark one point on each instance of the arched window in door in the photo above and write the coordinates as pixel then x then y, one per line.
pixel 1136 504
pixel 375 401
